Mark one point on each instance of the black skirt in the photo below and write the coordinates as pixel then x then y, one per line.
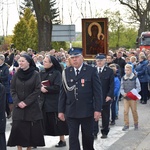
pixel 53 125
pixel 26 134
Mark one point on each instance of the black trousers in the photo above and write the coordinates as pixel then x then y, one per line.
pixel 7 105
pixel 105 119
pixel 144 91
pixel 2 141
pixel 86 130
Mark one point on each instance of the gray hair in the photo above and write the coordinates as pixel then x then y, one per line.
pixel 2 57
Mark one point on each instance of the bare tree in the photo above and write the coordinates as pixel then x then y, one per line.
pixel 140 12
pixel 45 14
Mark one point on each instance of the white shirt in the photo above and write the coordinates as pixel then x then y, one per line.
pixel 75 69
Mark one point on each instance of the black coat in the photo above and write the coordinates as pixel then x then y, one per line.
pixel 2 108
pixel 121 62
pixel 51 98
pixel 4 77
pixel 29 92
pixel 107 80
pixel 85 98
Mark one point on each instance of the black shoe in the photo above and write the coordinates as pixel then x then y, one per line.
pixel 112 123
pixel 61 144
pixel 34 147
pixel 144 102
pixel 104 136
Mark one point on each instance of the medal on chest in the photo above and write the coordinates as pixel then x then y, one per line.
pixel 82 82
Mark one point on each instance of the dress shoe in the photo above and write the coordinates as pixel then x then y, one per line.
pixel 61 144
pixel 144 102
pixel 112 123
pixel 104 136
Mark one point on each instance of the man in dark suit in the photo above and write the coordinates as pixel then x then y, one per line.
pixel 120 61
pixel 2 117
pixel 80 100
pixel 107 80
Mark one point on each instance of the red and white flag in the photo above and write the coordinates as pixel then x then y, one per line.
pixel 134 95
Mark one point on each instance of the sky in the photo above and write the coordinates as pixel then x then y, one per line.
pixel 10 11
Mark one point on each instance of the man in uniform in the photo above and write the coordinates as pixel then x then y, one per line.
pixel 107 80
pixel 80 100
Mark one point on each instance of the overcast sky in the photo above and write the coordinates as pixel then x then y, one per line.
pixel 13 17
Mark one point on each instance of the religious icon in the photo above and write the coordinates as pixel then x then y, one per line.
pixel 94 36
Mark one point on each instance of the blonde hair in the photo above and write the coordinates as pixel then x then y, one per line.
pixel 133 59
pixel 128 66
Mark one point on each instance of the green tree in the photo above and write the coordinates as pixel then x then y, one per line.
pixel 127 38
pixel 120 34
pixel 33 33
pixel 21 35
pixel 26 4
pixel 28 30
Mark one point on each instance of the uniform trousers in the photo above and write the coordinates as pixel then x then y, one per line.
pixel 86 130
pixel 105 119
pixel 2 141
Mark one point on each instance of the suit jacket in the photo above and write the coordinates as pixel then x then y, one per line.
pixel 2 108
pixel 107 80
pixel 87 95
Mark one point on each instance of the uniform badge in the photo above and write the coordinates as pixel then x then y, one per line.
pixel 82 82
pixel 71 80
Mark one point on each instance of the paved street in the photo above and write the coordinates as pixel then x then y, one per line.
pixel 117 139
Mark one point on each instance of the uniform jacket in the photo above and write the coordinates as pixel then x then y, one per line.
pixel 107 80
pixel 87 95
pixel 51 98
pixel 29 92
pixel 2 108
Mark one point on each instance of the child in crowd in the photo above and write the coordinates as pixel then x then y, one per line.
pixel 128 82
pixel 116 94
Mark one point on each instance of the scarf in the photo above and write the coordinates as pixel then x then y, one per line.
pixel 25 75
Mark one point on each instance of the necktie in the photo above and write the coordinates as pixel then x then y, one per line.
pixel 100 70
pixel 77 72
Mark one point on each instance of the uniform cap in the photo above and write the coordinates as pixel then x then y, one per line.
pixel 75 51
pixel 100 56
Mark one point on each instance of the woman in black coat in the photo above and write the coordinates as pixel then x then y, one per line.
pixel 50 96
pixel 27 128
pixel 2 117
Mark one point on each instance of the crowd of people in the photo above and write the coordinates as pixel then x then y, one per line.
pixel 55 92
